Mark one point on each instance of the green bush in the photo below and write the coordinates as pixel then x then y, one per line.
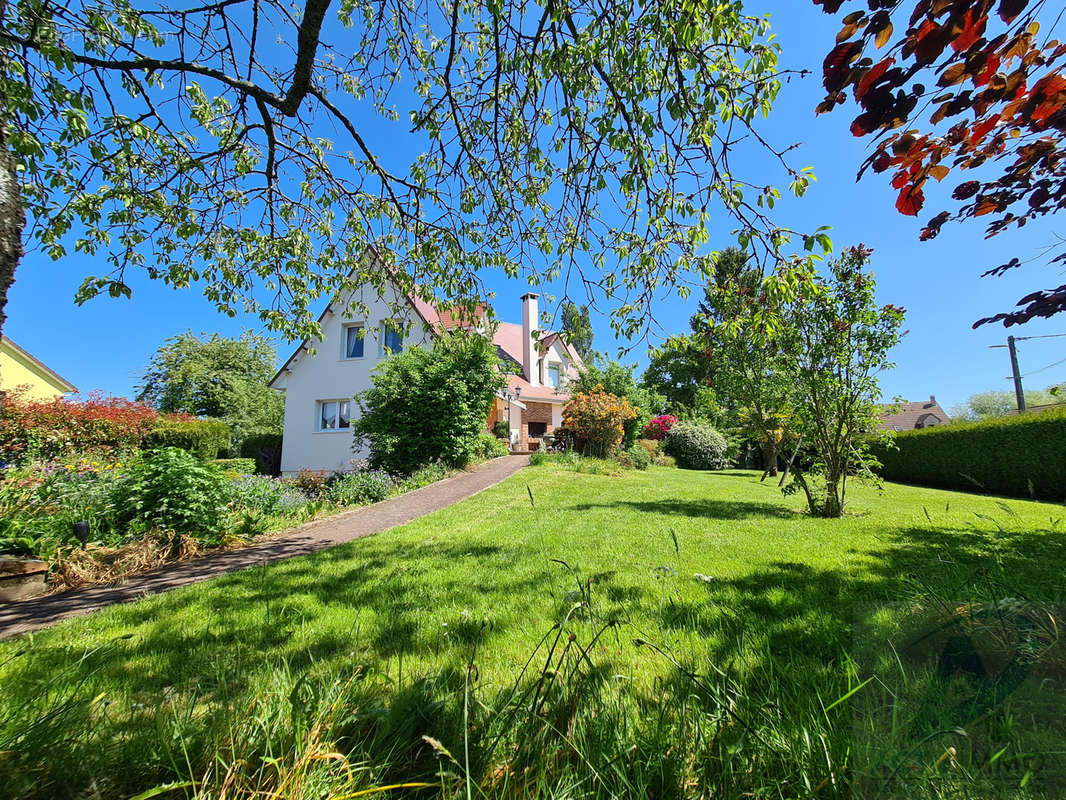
pixel 424 476
pixel 500 429
pixel 206 438
pixel 696 446
pixel 1020 456
pixel 491 447
pixel 265 448
pixel 361 488
pixel 171 489
pixel 245 466
pixel 639 456
pixel 429 405
pixel 38 508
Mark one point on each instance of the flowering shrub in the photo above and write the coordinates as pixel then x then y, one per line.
pixel 597 421
pixel 362 487
pixel 659 427
pixel 54 429
pixel 265 495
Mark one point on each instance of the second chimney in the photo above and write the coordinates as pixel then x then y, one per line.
pixel 530 323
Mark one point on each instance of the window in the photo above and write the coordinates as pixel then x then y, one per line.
pixel 391 339
pixel 333 415
pixel 537 429
pixel 553 376
pixel 353 341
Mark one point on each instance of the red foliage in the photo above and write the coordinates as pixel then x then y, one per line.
pixel 991 81
pixel 49 429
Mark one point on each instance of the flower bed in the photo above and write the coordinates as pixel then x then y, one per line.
pixel 166 505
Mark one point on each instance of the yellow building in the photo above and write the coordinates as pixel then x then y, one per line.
pixel 18 369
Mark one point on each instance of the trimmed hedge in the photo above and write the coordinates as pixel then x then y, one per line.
pixel 205 438
pixel 1019 456
pixel 265 448
pixel 245 466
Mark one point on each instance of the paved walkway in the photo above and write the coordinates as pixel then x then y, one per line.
pixel 30 615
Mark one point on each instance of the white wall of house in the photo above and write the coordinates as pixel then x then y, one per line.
pixel 515 422
pixel 328 375
pixel 557 356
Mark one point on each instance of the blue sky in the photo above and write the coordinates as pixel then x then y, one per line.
pixel 107 343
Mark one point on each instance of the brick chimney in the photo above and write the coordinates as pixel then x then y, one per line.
pixel 530 323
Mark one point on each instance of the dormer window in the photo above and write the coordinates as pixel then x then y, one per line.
pixel 554 375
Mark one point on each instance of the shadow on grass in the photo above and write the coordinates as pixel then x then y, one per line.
pixel 707 509
pixel 782 632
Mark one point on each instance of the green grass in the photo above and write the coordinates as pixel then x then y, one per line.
pixel 662 633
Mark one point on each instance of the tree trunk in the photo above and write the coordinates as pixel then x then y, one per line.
pixel 12 221
pixel 769 455
pixel 834 506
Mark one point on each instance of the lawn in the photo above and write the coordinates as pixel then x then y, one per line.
pixel 664 633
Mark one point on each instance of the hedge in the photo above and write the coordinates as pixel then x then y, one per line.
pixel 206 438
pixel 265 448
pixel 245 466
pixel 1019 456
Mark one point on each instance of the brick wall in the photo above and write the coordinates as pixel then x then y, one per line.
pixel 534 412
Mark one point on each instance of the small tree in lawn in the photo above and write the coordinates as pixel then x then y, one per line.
pixel 840 341
pixel 597 420
pixel 429 405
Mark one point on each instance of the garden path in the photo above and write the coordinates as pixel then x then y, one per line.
pixel 30 615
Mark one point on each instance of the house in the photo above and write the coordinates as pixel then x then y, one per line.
pixel 20 370
pixel 913 416
pixel 319 385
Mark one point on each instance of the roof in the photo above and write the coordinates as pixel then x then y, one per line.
pixel 909 416
pixel 542 393
pixel 48 372
pixel 459 317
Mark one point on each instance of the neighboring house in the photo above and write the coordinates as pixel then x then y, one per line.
pixel 913 416
pixel 20 370
pixel 318 388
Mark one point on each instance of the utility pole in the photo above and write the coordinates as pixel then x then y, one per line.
pixel 1015 372
pixel 1018 393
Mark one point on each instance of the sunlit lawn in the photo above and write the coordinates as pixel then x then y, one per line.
pixel 716 570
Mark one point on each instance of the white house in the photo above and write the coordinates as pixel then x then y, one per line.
pixel 319 386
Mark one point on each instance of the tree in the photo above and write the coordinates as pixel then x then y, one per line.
pixel 429 405
pixel 618 380
pixel 745 352
pixel 732 268
pixel 577 329
pixel 987 405
pixel 974 57
pixel 218 377
pixel 226 144
pixel 839 340
pixel 680 371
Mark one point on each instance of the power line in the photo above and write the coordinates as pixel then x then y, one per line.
pixel 1026 338
pixel 1049 366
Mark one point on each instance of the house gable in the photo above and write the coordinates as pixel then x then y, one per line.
pixel 20 369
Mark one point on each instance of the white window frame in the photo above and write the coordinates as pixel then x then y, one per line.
pixel 344 341
pixel 336 419
pixel 398 329
pixel 558 374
